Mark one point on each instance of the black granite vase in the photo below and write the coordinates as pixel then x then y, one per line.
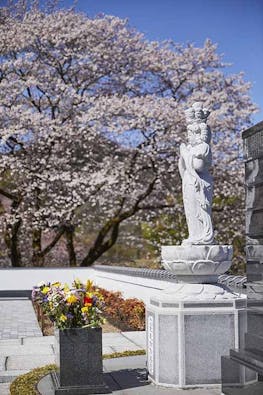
pixel 79 358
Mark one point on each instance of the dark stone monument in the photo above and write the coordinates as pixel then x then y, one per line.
pixel 79 358
pixel 242 371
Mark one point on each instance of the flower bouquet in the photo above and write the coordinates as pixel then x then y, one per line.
pixel 77 306
pixel 77 314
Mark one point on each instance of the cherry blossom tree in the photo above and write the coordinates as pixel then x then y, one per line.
pixel 91 117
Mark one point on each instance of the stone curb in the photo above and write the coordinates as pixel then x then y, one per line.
pixel 157 274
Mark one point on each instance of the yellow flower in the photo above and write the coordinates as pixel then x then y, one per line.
pixel 98 294
pixel 71 299
pixel 77 284
pixel 63 318
pixel 89 285
pixel 56 284
pixel 45 290
pixel 85 309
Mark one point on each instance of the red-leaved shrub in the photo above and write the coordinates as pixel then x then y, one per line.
pixel 127 314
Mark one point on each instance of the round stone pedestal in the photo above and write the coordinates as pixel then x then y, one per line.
pixel 189 328
pixel 197 263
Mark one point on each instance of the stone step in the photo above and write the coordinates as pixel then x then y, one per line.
pixel 250 359
pixel 10 375
pixel 38 340
pixel 43 349
pixel 28 362
pixel 32 340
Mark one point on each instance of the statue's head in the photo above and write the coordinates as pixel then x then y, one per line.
pixel 200 112
pixel 190 115
pixel 197 129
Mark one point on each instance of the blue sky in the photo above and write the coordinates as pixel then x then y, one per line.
pixel 235 25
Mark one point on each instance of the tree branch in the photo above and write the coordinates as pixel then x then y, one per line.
pixel 9 195
pixel 52 244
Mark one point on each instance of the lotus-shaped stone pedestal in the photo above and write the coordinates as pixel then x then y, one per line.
pixel 197 263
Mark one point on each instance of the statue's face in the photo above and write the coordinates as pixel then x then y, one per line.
pixel 191 135
pixel 194 134
pixel 199 113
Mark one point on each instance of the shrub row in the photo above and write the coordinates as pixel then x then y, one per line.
pixel 126 314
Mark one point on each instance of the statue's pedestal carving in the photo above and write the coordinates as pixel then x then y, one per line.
pixel 197 263
pixel 189 328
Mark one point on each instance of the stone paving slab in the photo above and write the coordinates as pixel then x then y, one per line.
pixel 107 350
pixel 25 350
pixel 2 362
pixel 9 375
pixel 36 341
pixel 114 364
pixel 18 319
pixel 109 339
pixel 138 338
pixel 11 342
pixel 123 341
pixel 28 362
pixel 119 341
pixel 4 389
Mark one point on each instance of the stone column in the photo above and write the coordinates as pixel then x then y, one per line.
pixel 248 357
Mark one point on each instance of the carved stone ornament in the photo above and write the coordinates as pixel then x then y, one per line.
pixel 197 263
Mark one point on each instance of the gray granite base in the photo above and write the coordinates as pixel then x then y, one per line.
pixel 77 390
pixel 189 328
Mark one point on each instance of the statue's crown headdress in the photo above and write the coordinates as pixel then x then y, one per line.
pixel 201 113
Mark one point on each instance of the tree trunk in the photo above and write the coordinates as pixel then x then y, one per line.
pixel 37 257
pixel 92 256
pixel 100 246
pixel 69 236
pixel 12 242
pixel 109 232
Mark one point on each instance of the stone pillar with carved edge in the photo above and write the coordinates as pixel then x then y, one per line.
pixel 249 356
pixel 191 324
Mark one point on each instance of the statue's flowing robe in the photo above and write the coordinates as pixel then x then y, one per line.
pixel 197 194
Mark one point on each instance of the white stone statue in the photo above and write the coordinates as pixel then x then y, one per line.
pixel 198 259
pixel 194 163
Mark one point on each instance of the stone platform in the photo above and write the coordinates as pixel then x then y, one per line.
pixel 189 328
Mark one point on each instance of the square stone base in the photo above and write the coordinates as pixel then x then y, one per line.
pixel 78 390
